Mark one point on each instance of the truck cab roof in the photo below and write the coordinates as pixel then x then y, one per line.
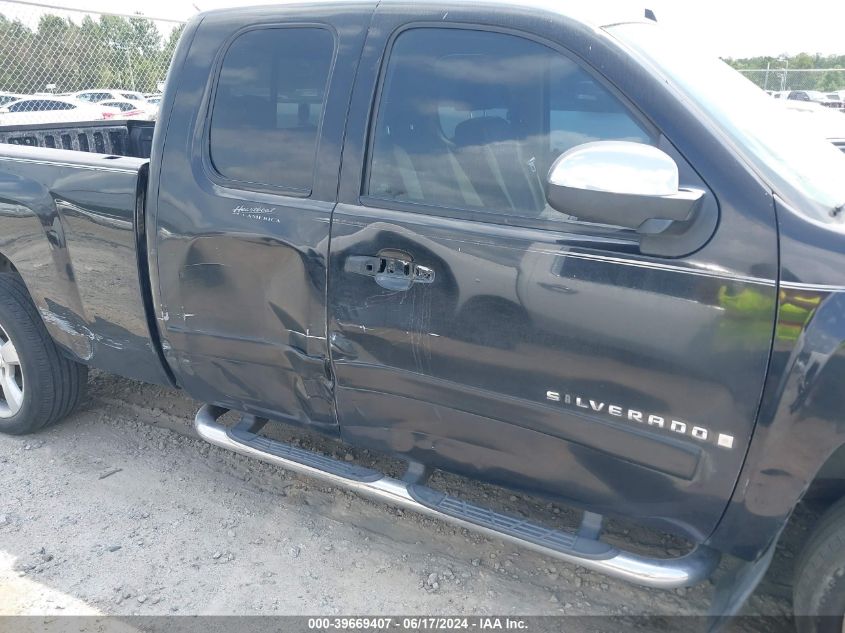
pixel 593 15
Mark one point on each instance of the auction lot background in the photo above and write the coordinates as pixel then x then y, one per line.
pixel 121 511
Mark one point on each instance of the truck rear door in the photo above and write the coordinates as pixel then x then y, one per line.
pixel 248 179
pixel 474 328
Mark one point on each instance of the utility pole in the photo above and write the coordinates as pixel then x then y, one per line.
pixel 783 76
pixel 121 47
pixel 131 72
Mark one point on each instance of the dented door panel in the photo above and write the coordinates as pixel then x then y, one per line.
pixel 241 266
pixel 553 357
pixel 615 382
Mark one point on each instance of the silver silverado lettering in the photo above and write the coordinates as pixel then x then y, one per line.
pixel 653 420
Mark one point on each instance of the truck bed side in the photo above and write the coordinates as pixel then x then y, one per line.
pixel 121 138
pixel 67 225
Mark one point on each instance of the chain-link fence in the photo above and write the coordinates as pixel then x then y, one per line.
pixel 822 80
pixel 47 49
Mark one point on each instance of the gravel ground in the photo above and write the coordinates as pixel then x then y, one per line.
pixel 120 510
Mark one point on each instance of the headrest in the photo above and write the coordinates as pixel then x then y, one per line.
pixel 482 130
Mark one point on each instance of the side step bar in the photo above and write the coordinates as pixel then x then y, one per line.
pixel 567 546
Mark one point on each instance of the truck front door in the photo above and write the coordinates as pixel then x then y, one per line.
pixel 476 329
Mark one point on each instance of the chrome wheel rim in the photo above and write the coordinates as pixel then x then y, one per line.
pixel 11 377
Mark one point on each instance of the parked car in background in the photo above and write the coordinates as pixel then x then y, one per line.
pixel 837 95
pixel 819 120
pixel 815 97
pixel 53 109
pixel 8 97
pixel 154 99
pixel 96 95
pixel 140 110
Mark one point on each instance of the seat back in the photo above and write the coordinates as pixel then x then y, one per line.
pixel 492 158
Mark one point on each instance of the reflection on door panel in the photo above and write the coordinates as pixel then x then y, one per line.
pixel 457 373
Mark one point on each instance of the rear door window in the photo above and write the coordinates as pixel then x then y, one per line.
pixel 268 106
pixel 95 97
pixel 31 105
pixel 56 105
pixel 473 119
pixel 22 106
pixel 123 106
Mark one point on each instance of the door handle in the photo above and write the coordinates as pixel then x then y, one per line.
pixel 391 273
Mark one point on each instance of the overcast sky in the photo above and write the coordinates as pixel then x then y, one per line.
pixel 734 28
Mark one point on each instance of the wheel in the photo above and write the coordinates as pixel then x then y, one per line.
pixel 38 384
pixel 819 585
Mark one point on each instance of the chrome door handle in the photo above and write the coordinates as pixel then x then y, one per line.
pixel 390 272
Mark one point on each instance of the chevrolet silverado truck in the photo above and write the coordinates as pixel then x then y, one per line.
pixel 555 252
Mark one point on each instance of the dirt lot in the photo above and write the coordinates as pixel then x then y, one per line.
pixel 121 510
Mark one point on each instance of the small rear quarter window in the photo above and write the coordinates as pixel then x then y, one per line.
pixel 268 106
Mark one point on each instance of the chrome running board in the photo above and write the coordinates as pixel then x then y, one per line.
pixel 571 547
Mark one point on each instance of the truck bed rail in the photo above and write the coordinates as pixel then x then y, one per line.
pixel 120 138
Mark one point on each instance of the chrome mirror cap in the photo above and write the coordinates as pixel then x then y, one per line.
pixel 616 167
pixel 619 183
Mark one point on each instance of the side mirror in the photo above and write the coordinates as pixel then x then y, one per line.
pixel 620 183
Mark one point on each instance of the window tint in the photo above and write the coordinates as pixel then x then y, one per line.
pixel 268 106
pixel 38 105
pixel 123 106
pixel 474 120
pixel 20 106
pixel 95 97
pixel 56 105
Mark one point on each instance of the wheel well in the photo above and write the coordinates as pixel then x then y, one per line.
pixel 6 265
pixel 828 486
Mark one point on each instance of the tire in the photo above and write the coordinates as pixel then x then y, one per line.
pixel 819 584
pixel 49 385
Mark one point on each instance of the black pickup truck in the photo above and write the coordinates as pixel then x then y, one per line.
pixel 494 239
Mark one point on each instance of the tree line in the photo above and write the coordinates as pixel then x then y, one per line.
pixel 833 79
pixel 131 53
pixel 108 52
